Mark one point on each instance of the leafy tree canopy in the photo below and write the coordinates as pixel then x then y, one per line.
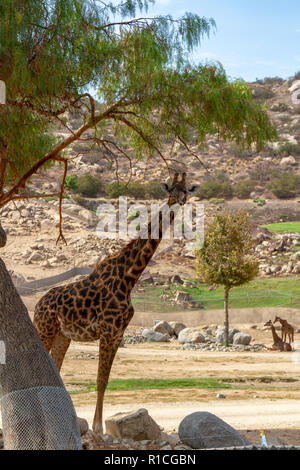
pixel 53 51
pixel 226 257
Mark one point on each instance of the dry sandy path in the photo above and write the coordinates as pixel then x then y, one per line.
pixel 253 414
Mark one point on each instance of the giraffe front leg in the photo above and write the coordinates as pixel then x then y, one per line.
pixel 107 352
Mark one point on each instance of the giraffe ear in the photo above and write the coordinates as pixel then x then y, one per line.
pixel 193 189
pixel 165 187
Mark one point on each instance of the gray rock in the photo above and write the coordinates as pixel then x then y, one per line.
pixel 242 338
pixel 177 326
pixel 83 425
pixel 164 328
pixel 152 335
pixel 108 438
pixel 220 334
pixel 203 430
pixel 35 257
pixel 137 425
pixel 220 395
pixel 190 335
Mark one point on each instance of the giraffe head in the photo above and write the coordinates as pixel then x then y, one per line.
pixel 269 323
pixel 178 190
pixel 276 319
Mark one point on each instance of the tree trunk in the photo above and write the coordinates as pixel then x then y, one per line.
pixel 32 389
pixel 226 322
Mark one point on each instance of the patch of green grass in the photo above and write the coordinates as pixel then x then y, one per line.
pixel 283 227
pixel 261 292
pixel 148 384
pixel 220 383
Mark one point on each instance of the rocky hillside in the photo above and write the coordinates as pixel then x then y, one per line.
pixel 225 162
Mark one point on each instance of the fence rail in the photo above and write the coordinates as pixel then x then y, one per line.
pixel 267 299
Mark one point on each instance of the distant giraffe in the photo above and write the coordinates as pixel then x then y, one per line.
pixel 286 329
pixel 278 343
pixel 99 305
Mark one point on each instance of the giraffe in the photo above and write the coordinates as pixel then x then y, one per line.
pixel 98 306
pixel 278 343
pixel 286 329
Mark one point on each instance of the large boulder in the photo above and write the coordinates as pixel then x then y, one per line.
pixel 203 430
pixel 164 328
pixel 152 335
pixel 220 334
pixel 137 425
pixel 287 161
pixel 190 335
pixel 177 326
pixel 242 338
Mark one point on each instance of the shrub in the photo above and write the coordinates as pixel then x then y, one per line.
pixel 263 94
pixel 215 189
pixel 72 182
pixel 136 190
pixel 283 186
pixel 154 189
pixel 290 149
pixel 270 80
pixel 88 186
pixel 116 189
pixel 281 107
pixel 243 189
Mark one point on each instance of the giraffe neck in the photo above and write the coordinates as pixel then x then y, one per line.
pixel 139 252
pixel 275 336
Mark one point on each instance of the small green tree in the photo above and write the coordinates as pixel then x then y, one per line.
pixel 226 257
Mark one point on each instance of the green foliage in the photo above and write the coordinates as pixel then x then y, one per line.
pixel 260 201
pixel 116 189
pixel 243 189
pixel 135 190
pixel 226 257
pixel 285 185
pixel 215 189
pixel 52 52
pixel 88 186
pixel 72 182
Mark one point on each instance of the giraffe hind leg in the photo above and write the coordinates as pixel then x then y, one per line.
pixel 59 349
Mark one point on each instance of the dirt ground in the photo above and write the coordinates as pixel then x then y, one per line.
pixel 265 391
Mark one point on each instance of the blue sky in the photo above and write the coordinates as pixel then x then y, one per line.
pixel 254 38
